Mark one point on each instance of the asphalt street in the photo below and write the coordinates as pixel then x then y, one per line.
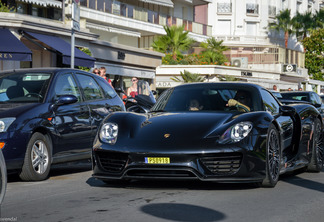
pixel 71 194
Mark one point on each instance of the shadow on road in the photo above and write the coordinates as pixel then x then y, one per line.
pixel 305 183
pixel 60 170
pixel 182 212
pixel 169 184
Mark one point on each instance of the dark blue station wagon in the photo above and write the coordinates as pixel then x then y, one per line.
pixel 50 116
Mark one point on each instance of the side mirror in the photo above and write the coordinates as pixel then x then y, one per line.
pixel 66 99
pixel 287 110
pixel 317 105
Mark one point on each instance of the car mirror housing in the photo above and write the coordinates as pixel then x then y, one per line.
pixel 66 99
pixel 287 110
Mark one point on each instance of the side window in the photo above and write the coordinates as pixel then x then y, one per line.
pixel 270 104
pixel 108 91
pixel 66 85
pixel 90 88
pixel 315 99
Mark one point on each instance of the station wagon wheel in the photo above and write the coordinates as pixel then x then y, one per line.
pixel 316 145
pixel 273 158
pixel 37 158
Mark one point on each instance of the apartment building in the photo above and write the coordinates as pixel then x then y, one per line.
pixel 117 33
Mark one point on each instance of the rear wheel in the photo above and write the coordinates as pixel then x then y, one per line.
pixel 273 158
pixel 316 162
pixel 37 158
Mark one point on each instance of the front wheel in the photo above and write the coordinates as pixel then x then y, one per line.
pixel 38 156
pixel 273 158
pixel 316 162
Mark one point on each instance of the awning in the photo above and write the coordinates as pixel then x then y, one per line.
pixel 166 3
pixel 12 48
pixel 64 48
pixel 45 3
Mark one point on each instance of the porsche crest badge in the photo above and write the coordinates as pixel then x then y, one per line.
pixel 167 135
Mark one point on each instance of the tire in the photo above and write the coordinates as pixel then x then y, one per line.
pixel 39 151
pixel 3 178
pixel 273 158
pixel 316 162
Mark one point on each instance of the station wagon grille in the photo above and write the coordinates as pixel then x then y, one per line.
pixel 223 164
pixel 112 162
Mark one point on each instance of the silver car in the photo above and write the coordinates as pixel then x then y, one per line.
pixel 3 177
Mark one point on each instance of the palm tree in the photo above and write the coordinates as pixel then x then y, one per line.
pixel 284 23
pixel 188 77
pixel 303 24
pixel 319 19
pixel 174 42
pixel 214 51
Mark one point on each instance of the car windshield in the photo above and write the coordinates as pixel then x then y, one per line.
pixel 145 94
pixel 206 98
pixel 296 96
pixel 23 87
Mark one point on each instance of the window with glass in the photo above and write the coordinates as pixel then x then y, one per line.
pixel 269 102
pixel 108 91
pixel 90 88
pixel 252 7
pixel 66 85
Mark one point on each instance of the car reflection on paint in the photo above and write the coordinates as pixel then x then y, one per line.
pixel 50 116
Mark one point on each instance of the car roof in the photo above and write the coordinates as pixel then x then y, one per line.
pixel 47 69
pixel 222 84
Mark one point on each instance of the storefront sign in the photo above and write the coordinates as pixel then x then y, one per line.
pixel 163 84
pixel 121 55
pixel 5 56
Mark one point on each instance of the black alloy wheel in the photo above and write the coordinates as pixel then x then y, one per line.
pixel 273 158
pixel 316 145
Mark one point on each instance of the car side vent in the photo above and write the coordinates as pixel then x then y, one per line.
pixel 112 162
pixel 222 164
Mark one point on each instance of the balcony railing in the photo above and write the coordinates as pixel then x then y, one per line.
pixel 145 15
pixel 252 8
pixel 224 7
pixel 272 11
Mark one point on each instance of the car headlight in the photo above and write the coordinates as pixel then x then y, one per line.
pixel 5 123
pixel 108 133
pixel 236 133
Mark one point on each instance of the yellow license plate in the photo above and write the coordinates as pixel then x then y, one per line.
pixel 157 160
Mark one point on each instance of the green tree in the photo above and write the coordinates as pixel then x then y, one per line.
pixel 213 52
pixel 188 77
pixel 5 8
pixel 174 42
pixel 314 56
pixel 303 24
pixel 284 23
pixel 87 51
pixel 319 19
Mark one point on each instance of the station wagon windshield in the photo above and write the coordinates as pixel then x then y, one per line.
pixel 23 87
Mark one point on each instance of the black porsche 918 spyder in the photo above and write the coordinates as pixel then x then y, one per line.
pixel 226 132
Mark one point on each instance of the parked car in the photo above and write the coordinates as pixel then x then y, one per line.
pixel 3 177
pixel 50 116
pixel 306 97
pixel 226 132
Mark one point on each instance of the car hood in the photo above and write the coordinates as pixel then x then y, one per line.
pixel 15 109
pixel 174 128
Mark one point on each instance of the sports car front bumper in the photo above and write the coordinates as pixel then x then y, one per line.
pixel 224 165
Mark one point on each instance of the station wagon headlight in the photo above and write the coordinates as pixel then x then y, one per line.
pixel 236 133
pixel 108 133
pixel 5 123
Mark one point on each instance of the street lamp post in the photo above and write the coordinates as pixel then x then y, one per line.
pixel 75 23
